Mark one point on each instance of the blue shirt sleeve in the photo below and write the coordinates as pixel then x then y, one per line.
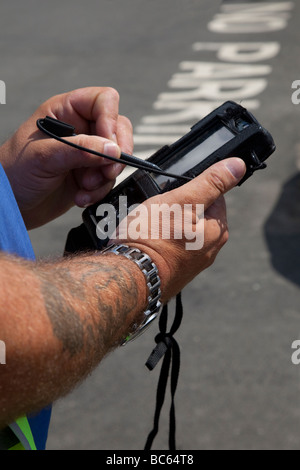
pixel 15 240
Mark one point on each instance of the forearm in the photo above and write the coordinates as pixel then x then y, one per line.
pixel 58 320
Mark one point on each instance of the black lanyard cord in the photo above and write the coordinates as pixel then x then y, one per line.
pixel 166 346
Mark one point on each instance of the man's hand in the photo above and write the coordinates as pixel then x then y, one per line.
pixel 49 177
pixel 178 265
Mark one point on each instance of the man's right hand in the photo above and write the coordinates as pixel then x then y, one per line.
pixel 178 265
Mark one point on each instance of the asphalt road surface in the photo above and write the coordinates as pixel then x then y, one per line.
pixel 238 387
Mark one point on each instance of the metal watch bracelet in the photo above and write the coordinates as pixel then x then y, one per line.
pixel 150 271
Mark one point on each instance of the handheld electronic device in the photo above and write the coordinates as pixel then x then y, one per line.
pixel 229 131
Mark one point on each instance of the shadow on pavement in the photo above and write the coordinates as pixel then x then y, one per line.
pixel 282 231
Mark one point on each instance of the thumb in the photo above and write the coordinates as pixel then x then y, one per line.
pixel 212 183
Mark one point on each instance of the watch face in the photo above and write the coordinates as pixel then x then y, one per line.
pixel 143 327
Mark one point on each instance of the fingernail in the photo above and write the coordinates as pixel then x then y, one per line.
pixel 111 150
pixel 237 167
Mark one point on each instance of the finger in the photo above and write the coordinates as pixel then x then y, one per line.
pixel 91 179
pixel 216 226
pixel 217 210
pixel 99 105
pixel 86 198
pixel 58 158
pixel 111 172
pixel 211 184
pixel 124 139
pixel 125 134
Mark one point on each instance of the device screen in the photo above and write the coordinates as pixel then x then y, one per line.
pixel 204 149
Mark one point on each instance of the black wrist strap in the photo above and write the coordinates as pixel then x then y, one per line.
pixel 168 347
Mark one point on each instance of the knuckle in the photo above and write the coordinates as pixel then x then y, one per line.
pixel 126 123
pixel 222 234
pixel 112 92
pixel 224 238
pixel 216 182
pixel 88 142
pixel 82 140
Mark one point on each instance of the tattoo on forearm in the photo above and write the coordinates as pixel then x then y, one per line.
pixel 64 319
pixel 70 296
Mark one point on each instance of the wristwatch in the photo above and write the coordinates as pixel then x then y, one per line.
pixel 150 271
